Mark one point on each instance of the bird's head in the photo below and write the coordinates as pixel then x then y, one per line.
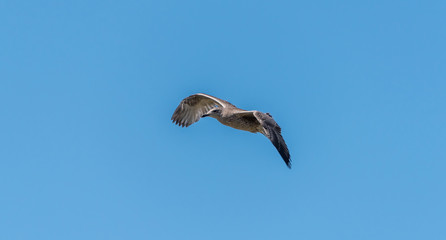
pixel 215 112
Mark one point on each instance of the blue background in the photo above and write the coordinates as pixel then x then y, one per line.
pixel 88 151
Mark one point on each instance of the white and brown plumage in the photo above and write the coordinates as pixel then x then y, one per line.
pixel 199 105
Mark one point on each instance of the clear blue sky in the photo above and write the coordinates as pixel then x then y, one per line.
pixel 88 151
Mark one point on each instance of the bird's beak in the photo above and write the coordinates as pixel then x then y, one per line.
pixel 205 115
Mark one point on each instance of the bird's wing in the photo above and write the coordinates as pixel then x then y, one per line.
pixel 274 133
pixel 193 107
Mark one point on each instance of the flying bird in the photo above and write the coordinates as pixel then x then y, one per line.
pixel 200 105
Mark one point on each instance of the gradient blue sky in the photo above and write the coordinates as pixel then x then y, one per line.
pixel 88 151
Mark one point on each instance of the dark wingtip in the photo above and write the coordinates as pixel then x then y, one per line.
pixel 288 164
pixel 278 142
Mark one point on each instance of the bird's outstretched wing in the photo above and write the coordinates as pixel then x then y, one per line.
pixel 274 133
pixel 193 107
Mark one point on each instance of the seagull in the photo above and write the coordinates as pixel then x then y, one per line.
pixel 200 105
